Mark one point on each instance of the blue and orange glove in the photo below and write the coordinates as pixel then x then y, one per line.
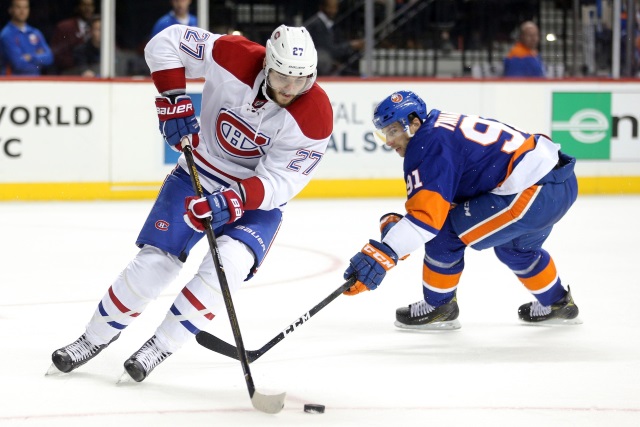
pixel 177 119
pixel 388 221
pixel 223 207
pixel 370 266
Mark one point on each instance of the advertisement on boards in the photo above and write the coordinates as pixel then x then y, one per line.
pixel 53 133
pixel 597 125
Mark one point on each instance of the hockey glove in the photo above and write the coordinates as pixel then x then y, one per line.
pixel 223 207
pixel 370 266
pixel 177 119
pixel 388 221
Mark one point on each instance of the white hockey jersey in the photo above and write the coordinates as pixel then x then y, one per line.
pixel 266 152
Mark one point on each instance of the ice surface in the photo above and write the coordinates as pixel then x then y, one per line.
pixel 57 260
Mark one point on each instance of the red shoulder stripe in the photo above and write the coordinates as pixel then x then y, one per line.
pixel 313 113
pixel 240 57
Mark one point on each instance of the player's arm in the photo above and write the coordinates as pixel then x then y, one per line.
pixel 173 55
pixel 179 47
pixel 430 188
pixel 401 235
pixel 426 212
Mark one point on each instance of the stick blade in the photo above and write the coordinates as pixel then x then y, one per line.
pixel 268 403
pixel 214 343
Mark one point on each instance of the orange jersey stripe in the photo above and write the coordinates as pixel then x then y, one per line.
pixel 503 218
pixel 545 278
pixel 428 207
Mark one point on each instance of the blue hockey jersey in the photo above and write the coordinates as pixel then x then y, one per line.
pixel 453 158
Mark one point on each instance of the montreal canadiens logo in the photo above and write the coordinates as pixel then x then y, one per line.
pixel 162 225
pixel 237 138
pixel 396 97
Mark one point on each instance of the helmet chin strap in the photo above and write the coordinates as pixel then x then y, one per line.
pixel 408 132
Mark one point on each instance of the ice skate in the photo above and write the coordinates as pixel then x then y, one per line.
pixel 143 361
pixel 76 354
pixel 423 316
pixel 563 312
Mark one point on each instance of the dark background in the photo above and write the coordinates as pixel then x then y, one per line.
pixel 135 18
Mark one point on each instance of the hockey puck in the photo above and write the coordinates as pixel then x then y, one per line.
pixel 313 408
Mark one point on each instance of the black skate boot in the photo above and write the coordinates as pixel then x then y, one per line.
pixel 422 315
pixel 76 354
pixel 143 361
pixel 564 312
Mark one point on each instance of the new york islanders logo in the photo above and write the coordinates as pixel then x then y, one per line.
pixel 239 139
pixel 396 97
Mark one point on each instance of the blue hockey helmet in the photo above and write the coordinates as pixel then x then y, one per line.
pixel 397 107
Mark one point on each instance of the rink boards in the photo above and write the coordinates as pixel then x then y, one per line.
pixel 94 139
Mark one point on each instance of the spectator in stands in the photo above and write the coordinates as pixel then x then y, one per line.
pixel 524 59
pixel 25 49
pixel 179 15
pixel 333 49
pixel 70 33
pixel 87 55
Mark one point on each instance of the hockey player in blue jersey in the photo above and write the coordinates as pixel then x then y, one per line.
pixel 471 182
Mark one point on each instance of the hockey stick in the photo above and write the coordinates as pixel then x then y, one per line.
pixel 214 343
pixel 271 404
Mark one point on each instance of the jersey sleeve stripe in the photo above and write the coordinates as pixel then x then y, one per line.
pixel 429 209
pixel 214 169
pixel 167 80
pixel 253 191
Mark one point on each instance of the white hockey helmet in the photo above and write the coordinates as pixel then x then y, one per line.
pixel 291 52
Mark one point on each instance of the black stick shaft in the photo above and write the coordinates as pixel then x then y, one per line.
pixel 214 343
pixel 222 278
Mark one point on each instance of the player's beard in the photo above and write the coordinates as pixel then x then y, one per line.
pixel 271 94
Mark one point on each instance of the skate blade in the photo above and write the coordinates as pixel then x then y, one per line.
pixel 449 325
pixel 125 378
pixel 555 322
pixel 53 371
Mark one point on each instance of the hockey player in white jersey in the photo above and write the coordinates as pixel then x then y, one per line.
pixel 265 125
